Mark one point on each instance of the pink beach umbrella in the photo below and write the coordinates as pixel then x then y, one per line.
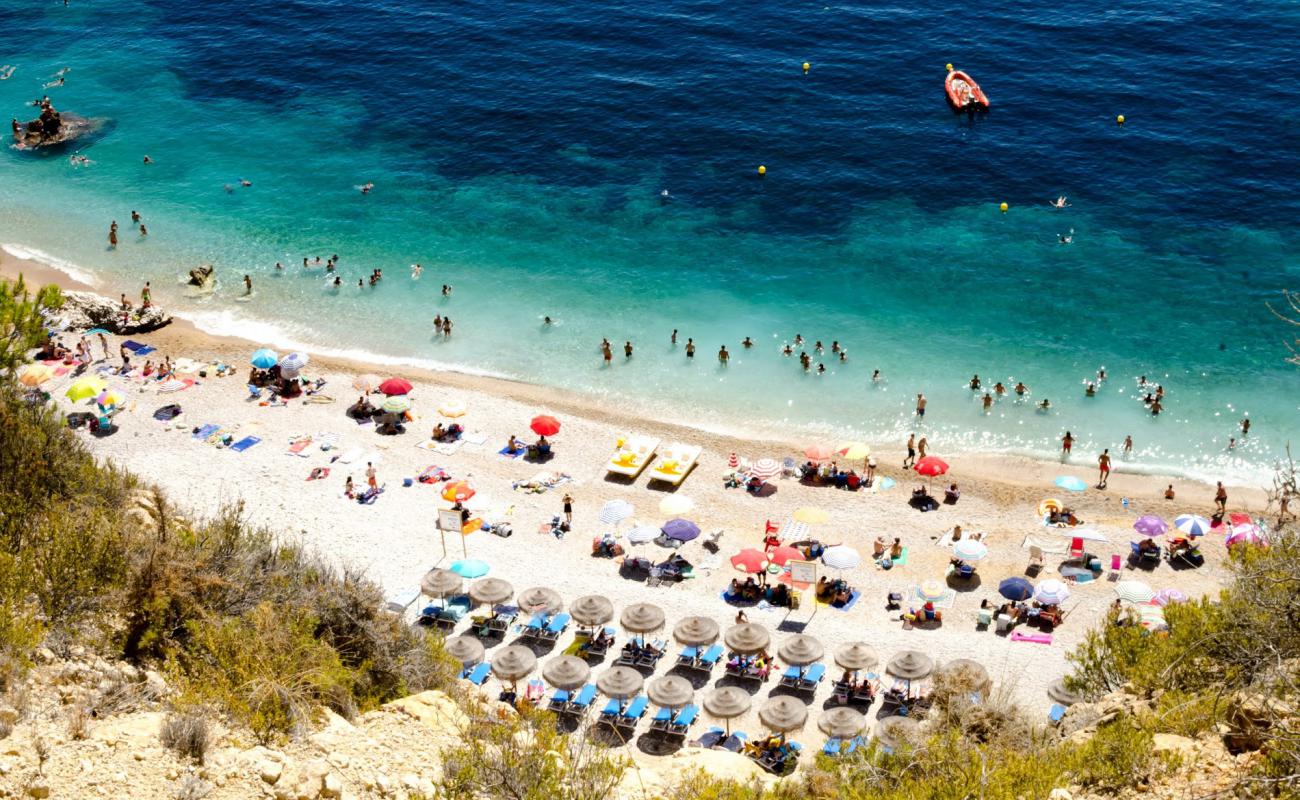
pixel 1169 596
pixel 818 453
pixel 1245 534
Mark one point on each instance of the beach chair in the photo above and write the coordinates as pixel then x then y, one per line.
pixel 1004 623
pixel 648 657
pixel 1056 713
pixel 533 628
pixel 1076 548
pixel 734 742
pixel 709 658
pixel 254 392
pixel 611 711
pixel 535 691
pixel 791 678
pixel 683 721
pixel 1036 558
pixel 559 703
pixel 579 704
pixel 833 747
pixel 631 715
pixel 453 612
pixel 594 650
pixel 710 738
pixel 661 720
pixel 479 674
pixel 841 691
pixel 811 677
pixel 689 658
pixel 555 628
pixel 1116 563
pixel 965 572
pixel 984 618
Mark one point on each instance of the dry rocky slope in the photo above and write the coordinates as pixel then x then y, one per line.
pixel 81 727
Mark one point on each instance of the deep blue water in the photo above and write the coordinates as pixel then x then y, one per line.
pixel 519 152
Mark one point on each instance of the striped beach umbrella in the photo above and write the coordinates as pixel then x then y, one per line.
pixel 970 549
pixel 1051 592
pixel 642 534
pixel 1134 591
pixel 397 404
pixel 1245 534
pixel 733 461
pixel 841 556
pixel 1168 596
pixel 931 591
pixel 765 469
pixel 615 511
pixel 1192 524
pixel 294 362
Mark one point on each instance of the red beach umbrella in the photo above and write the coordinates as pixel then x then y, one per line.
pixel 931 466
pixel 394 386
pixel 545 425
pixel 783 553
pixel 818 452
pixel 457 492
pixel 749 560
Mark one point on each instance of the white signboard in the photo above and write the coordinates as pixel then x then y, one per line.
pixel 803 571
pixel 449 520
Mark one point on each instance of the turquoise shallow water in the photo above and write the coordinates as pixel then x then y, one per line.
pixel 520 153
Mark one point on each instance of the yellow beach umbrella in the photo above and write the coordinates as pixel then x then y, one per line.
pixel 811 515
pixel 83 388
pixel 452 408
pixel 34 374
pixel 675 504
pixel 854 450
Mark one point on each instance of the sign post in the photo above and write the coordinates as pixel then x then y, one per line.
pixel 449 520
pixel 804 572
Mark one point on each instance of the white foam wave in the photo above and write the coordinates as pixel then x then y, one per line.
pixel 227 322
pixel 74 271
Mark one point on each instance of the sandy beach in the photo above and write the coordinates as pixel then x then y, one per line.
pixel 394 541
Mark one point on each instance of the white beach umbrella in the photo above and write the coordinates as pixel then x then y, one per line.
pixel 294 362
pixel 674 505
pixel 642 534
pixel 970 549
pixel 841 557
pixel 1134 591
pixel 1051 592
pixel 615 511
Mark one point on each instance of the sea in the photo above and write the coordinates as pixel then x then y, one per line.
pixel 599 164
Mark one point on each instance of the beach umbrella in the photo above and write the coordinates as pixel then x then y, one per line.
pixel 747 638
pixel 110 397
pixel 1165 597
pixel 965 675
pixel 733 461
pixel 728 702
pixel 1016 589
pixel 620 683
pixel 397 404
pixel 615 511
pixel 856 656
pixel 85 388
pixel 749 560
pixel 670 691
pixel 931 466
pixel 853 450
pixel 800 650
pixel 540 598
pixel 675 505
pixel 1051 592
pixel 94 331
pixel 1150 525
pixel 395 386
pixel 783 554
pixel 513 663
pixel 366 383
pixel 897 731
pixel 440 582
pixel 842 722
pixel 1134 591
pixel 696 631
pixel 1245 534
pixel 681 530
pixel 642 534
pixel 1048 505
pixel 490 591
pixel 1070 483
pixel 970 549
pixel 818 452
pixel 910 664
pixel 811 515
pixel 467 650
pixel 1058 692
pixel 783 713
pixel 642 618
pixel 1192 525
pixel 931 591
pixel 452 408
pixel 591 610
pixel 765 469
pixel 457 491
pixel 294 362
pixel 566 672
pixel 841 556
pixel 545 425
pixel 264 358
pixel 470 568
pixel 35 374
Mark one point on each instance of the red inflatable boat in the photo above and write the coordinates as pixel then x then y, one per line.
pixel 963 92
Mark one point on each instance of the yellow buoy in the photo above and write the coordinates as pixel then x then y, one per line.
pixel 762 170
pixel 1004 207
pixel 806 67
pixel 1119 120
pixel 950 67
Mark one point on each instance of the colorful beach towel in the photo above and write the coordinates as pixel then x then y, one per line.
pixel 206 431
pixel 138 348
pixel 505 451
pixel 244 443
pixel 299 445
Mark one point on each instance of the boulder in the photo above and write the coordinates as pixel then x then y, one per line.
pixel 84 310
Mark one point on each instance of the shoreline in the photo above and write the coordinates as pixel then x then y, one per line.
pixel 1008 469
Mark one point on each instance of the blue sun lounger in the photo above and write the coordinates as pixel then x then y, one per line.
pixel 555 627
pixel 662 718
pixel 710 657
pixel 689 657
pixel 683 721
pixel 611 711
pixel 579 704
pixel 811 677
pixel 479 674
pixel 632 714
pixel 559 702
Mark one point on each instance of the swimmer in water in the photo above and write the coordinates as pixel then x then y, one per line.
pixel 820 368
pixel 1067 238
pixel 7 72
pixel 416 270
pixel 245 183
pixel 787 350
pixel 748 343
pixel 361 284
pixel 248 285
pixel 1021 388
pixel 1045 405
pixel 875 376
pixel 148 160
pixel 143 231
pixel 546 321
pixel 988 402
pixel 1059 202
pixel 135 217
pixel 278 266
pixel 365 189
pixel 337 281
pixel 844 354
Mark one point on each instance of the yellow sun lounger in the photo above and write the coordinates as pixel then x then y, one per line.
pixel 675 463
pixel 632 455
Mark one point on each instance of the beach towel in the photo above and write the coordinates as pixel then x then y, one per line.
pixel 505 451
pixel 319 399
pixel 852 601
pixel 206 431
pixel 350 456
pixel 317 473
pixel 299 445
pixel 167 413
pixel 1036 638
pixel 369 496
pixel 901 561
pixel 1053 545
pixel 447 448
pixel 244 443
pixel 175 385
pixel 138 348
pixel 476 438
pixel 432 474
pixel 327 441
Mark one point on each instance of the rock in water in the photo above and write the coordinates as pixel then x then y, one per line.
pixel 83 311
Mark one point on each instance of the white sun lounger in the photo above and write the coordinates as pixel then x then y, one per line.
pixel 632 457
pixel 675 463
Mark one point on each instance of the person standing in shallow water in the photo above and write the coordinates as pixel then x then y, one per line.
pixel 112 235
pixel 723 356
pixel 690 348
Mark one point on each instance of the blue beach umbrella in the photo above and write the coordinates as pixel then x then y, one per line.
pixel 1016 589
pixel 97 330
pixel 1192 525
pixel 470 568
pixel 1070 483
pixel 264 358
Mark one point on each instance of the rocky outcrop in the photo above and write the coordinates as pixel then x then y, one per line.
pixel 83 311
